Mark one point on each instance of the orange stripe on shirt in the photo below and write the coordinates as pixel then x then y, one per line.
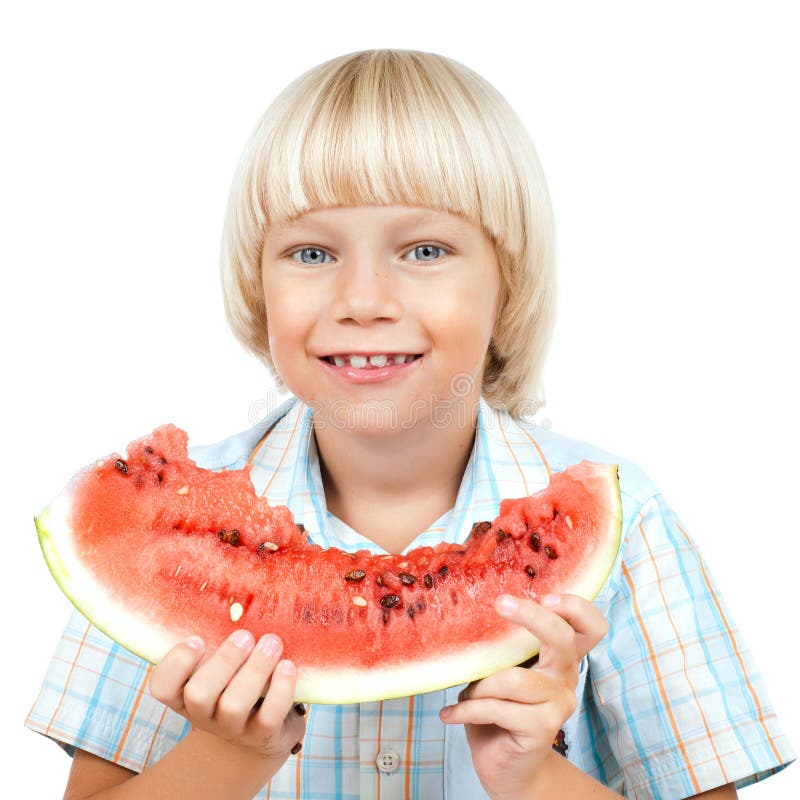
pixel 155 736
pixel 297 784
pixel 286 449
pixel 736 650
pixel 261 441
pixel 380 731
pixel 684 659
pixel 661 688
pixel 66 682
pixel 135 708
pixel 409 736
pixel 516 460
pixel 538 450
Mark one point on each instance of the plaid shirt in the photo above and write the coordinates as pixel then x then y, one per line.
pixel 670 703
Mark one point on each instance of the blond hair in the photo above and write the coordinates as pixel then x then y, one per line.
pixel 402 127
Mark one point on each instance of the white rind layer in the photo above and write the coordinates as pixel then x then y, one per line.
pixel 151 640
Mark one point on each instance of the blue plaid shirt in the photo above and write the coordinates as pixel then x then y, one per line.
pixel 670 703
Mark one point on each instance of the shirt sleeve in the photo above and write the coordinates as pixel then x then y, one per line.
pixel 95 697
pixel 680 701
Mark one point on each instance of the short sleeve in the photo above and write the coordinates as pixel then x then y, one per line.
pixel 95 697
pixel 678 701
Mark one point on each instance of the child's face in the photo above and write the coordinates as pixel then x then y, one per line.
pixel 382 280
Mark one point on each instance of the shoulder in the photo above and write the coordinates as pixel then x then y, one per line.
pixel 560 451
pixel 234 451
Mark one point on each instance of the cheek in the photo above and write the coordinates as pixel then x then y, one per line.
pixel 466 315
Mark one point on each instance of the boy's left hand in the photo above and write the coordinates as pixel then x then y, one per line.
pixel 513 716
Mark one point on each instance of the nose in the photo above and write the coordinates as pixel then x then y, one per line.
pixel 366 290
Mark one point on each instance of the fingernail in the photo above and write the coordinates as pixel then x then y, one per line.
pixel 446 712
pixel 287 667
pixel 242 638
pixel 507 603
pixel 195 642
pixel 551 600
pixel 269 645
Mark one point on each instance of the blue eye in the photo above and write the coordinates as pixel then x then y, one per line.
pixel 427 252
pixel 311 255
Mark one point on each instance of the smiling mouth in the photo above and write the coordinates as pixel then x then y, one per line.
pixel 371 362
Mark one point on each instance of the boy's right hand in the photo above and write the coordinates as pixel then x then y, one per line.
pixel 221 696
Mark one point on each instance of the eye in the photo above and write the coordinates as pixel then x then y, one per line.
pixel 311 255
pixel 427 252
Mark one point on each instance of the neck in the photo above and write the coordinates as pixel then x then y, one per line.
pixel 366 471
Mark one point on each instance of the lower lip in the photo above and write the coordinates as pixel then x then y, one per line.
pixel 370 375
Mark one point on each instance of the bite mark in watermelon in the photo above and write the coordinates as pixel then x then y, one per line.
pixel 152 548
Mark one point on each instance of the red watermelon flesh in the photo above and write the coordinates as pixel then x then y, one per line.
pixel 152 549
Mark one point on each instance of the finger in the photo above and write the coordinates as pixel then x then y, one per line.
pixel 556 636
pixel 203 689
pixel 237 700
pixel 173 671
pixel 584 618
pixel 279 702
pixel 518 684
pixel 516 718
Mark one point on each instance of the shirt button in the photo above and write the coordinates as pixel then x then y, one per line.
pixel 388 761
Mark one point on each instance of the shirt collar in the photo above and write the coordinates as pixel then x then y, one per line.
pixel 505 462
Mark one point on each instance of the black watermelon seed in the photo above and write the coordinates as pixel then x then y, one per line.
pixel 160 477
pixel 410 611
pixel 407 579
pixel 122 466
pixel 443 570
pixel 230 537
pixel 420 605
pixel 535 542
pixel 479 528
pixel 529 571
pixel 549 552
pixel 385 615
pixel 355 575
pixel 379 581
pixel 501 534
pixel 162 460
pixel 148 449
pixel 389 600
pixel 428 581
pixel 300 527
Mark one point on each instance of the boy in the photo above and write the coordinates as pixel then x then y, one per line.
pixel 390 207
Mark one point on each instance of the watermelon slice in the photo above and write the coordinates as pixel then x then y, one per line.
pixel 152 548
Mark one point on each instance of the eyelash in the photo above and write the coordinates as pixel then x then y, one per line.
pixel 445 251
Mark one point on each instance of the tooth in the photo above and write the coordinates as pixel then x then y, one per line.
pixel 400 359
pixel 339 361
pixel 359 362
pixel 378 361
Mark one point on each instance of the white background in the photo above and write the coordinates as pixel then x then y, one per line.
pixel 669 135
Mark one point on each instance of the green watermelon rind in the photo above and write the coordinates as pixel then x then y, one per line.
pixel 150 640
